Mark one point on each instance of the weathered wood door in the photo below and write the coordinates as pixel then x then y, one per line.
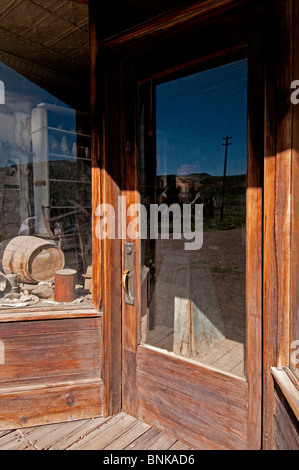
pixel 192 286
pixel 183 128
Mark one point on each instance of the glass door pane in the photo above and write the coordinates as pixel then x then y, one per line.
pixel 193 157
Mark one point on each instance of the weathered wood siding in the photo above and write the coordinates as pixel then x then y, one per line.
pixel 286 426
pixel 179 396
pixel 51 370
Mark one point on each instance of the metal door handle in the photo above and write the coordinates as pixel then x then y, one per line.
pixel 129 273
pixel 126 275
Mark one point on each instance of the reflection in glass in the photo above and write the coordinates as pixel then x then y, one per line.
pixel 193 151
pixel 45 194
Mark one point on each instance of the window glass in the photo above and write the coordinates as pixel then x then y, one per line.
pixel 193 163
pixel 45 197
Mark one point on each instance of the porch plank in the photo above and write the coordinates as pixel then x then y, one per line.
pixel 128 437
pixel 74 434
pixel 164 442
pixel 14 440
pixel 102 436
pixel 38 435
pixel 120 432
pixel 145 440
pixel 179 445
pixel 61 436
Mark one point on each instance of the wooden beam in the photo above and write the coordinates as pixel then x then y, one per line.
pixel 294 330
pixel 277 200
pixel 254 283
pixel 130 185
pixel 176 20
pixel 104 86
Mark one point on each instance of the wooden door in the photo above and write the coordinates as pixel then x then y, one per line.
pixel 193 137
pixel 164 350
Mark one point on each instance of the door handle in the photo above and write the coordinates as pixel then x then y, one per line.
pixel 126 275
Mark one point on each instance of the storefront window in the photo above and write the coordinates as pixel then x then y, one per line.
pixel 45 197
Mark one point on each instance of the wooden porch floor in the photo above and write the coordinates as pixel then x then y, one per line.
pixel 120 432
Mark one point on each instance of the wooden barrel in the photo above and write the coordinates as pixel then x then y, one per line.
pixel 33 259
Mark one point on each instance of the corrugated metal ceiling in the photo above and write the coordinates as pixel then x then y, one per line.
pixel 47 41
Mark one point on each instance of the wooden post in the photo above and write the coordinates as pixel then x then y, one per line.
pixel 106 272
pixel 227 143
pixel 254 256
pixel 277 190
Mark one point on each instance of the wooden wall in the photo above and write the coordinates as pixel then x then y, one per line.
pixel 281 63
pixel 50 369
pixel 286 426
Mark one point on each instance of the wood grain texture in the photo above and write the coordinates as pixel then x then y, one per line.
pixel 283 178
pixel 130 190
pixel 104 89
pixel 294 330
pixel 23 408
pixel 289 387
pixel 277 200
pixel 96 153
pixel 48 313
pixel 120 432
pixel 46 351
pixel 51 371
pixel 197 404
pixel 286 427
pixel 270 264
pixel 254 199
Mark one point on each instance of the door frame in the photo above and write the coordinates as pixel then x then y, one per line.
pixel 116 66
